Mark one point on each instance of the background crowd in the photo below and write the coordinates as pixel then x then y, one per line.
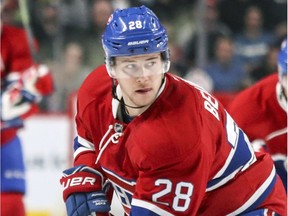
pixel 223 45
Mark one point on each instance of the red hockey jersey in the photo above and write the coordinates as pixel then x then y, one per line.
pixel 183 156
pixel 258 112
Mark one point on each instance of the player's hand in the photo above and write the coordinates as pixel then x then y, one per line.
pixel 37 82
pixel 79 204
pixel 13 103
pixel 84 192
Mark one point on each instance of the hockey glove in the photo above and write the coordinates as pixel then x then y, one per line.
pixel 37 81
pixel 21 93
pixel 84 192
pixel 34 82
pixel 79 204
pixel 14 105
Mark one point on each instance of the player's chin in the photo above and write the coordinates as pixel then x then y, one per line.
pixel 143 101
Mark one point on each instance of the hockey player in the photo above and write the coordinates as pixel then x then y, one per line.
pixel 261 111
pixel 167 146
pixel 23 84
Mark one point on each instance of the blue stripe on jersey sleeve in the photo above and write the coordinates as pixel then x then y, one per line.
pixel 76 144
pixel 141 211
pixel 282 171
pixel 263 196
pixel 242 156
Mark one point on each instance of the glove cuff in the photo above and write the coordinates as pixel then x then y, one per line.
pixel 80 182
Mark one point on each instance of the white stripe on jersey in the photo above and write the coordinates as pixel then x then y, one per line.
pixel 238 140
pixel 276 133
pixel 233 138
pixel 131 183
pixel 277 157
pixel 85 143
pixel 151 207
pixel 256 195
pixel 224 180
pixel 85 146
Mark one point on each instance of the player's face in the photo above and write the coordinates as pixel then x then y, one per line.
pixel 139 77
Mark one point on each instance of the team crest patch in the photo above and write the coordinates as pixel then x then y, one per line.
pixel 118 128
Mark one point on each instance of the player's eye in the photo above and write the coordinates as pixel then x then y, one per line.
pixel 150 64
pixel 130 69
pixel 130 66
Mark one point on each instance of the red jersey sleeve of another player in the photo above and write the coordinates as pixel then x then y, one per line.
pixel 249 107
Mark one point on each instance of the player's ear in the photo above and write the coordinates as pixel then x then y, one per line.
pixel 166 60
pixel 166 66
pixel 112 72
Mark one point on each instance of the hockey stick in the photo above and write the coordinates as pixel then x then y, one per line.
pixel 24 13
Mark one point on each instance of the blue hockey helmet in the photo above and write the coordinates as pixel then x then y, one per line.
pixel 282 59
pixel 134 31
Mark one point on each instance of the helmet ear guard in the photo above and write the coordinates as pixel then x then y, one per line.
pixel 109 63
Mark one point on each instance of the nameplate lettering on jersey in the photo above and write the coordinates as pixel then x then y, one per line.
pixel 210 103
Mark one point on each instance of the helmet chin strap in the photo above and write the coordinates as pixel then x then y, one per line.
pixel 281 96
pixel 114 94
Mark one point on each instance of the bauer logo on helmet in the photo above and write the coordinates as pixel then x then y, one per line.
pixel 132 43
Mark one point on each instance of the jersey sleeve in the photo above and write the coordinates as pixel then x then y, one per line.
pixel 84 150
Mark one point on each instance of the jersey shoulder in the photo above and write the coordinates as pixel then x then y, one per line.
pixel 96 87
pixel 181 122
pixel 251 107
pixel 254 98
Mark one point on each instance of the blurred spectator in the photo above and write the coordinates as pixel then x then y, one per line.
pixel 100 12
pixel 253 43
pixel 281 31
pixel 231 12
pixel 226 71
pixel 8 11
pixel 47 29
pixel 213 28
pixel 74 19
pixel 69 73
pixel 166 10
pixel 200 77
pixel 177 65
pixel 120 3
pixel 268 67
